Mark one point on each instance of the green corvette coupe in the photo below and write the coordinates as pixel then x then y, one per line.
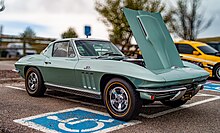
pixel 96 68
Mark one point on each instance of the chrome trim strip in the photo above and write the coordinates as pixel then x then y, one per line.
pixel 16 70
pixel 75 89
pixel 199 87
pixel 161 91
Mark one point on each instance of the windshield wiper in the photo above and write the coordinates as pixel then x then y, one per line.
pixel 108 53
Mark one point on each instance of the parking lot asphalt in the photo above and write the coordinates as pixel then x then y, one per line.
pixel 200 114
pixel 7 65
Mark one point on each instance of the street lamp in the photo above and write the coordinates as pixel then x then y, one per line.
pixel 2 6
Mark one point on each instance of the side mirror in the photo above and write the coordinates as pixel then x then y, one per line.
pixel 196 53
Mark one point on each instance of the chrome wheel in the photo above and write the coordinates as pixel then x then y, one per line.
pixel 218 72
pixel 121 99
pixel 33 81
pixel 118 99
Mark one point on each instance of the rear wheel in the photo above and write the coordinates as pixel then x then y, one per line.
pixel 175 103
pixel 34 83
pixel 217 72
pixel 121 100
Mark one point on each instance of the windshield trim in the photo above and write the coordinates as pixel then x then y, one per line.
pixel 95 57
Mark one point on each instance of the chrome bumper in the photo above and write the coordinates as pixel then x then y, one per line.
pixel 178 92
pixel 16 70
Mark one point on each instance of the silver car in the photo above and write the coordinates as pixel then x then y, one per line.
pixel 16 50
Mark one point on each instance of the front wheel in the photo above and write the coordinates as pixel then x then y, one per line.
pixel 217 72
pixel 175 103
pixel 34 83
pixel 121 100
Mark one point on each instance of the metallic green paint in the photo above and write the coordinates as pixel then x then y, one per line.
pixel 153 39
pixel 164 70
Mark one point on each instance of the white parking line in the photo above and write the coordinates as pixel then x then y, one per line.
pixel 27 121
pixel 180 108
pixel 17 88
pixel 62 98
pixel 214 97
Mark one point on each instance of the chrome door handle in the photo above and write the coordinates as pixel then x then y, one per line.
pixel 47 62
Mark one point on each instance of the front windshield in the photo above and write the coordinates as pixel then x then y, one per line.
pixel 208 50
pixel 96 48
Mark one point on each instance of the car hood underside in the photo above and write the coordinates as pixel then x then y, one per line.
pixel 153 38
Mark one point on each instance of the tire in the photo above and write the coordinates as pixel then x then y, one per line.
pixel 175 103
pixel 34 83
pixel 121 100
pixel 217 72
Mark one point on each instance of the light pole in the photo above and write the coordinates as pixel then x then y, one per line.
pixel 2 6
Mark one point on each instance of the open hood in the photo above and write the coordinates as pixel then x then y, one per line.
pixel 153 39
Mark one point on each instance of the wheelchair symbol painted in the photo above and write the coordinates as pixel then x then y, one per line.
pixel 73 121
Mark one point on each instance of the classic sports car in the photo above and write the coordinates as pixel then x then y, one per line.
pixel 97 69
pixel 200 54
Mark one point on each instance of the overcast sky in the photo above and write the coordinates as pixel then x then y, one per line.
pixel 49 18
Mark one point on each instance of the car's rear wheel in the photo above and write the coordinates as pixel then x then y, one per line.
pixel 217 72
pixel 34 82
pixel 175 103
pixel 121 100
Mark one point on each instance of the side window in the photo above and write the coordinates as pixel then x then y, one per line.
pixel 71 52
pixel 63 49
pixel 185 49
pixel 60 49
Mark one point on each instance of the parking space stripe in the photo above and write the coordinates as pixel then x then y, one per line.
pixel 26 122
pixel 62 98
pixel 17 88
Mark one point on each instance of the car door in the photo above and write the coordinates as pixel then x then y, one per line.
pixel 59 67
pixel 188 53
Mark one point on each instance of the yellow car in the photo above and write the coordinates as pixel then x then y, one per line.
pixel 201 54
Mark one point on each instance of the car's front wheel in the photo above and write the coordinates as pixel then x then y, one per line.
pixel 34 82
pixel 175 103
pixel 217 72
pixel 121 100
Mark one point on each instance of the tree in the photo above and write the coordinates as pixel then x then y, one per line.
pixel 28 33
pixel 113 17
pixel 27 37
pixel 70 33
pixel 187 22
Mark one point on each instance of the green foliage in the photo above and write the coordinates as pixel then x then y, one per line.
pixel 70 33
pixel 187 22
pixel 28 33
pixel 114 19
pixel 27 36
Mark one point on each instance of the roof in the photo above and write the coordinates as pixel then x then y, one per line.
pixel 194 43
pixel 91 39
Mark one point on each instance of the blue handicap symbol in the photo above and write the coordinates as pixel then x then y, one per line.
pixel 212 87
pixel 78 120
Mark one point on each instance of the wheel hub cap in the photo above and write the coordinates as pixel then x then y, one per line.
pixel 119 99
pixel 33 81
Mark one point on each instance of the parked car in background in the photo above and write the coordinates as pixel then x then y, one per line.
pixel 215 45
pixel 16 50
pixel 96 68
pixel 200 54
